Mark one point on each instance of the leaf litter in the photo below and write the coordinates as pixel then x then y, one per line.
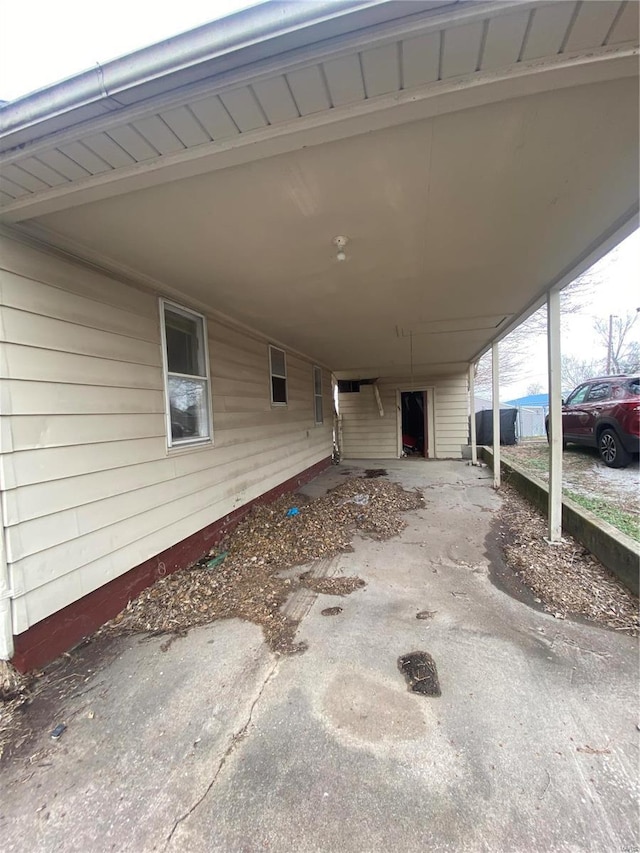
pixel 566 578
pixel 245 583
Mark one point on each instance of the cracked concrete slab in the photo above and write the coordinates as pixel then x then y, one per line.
pixel 532 746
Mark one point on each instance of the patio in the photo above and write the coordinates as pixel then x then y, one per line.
pixel 217 744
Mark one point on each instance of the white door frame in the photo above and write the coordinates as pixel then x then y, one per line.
pixel 429 391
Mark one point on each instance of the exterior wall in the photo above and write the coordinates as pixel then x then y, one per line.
pixel 89 489
pixel 365 435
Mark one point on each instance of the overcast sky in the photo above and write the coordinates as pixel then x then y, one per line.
pixel 43 41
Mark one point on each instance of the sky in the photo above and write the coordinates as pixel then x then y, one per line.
pixel 70 38
pixel 615 291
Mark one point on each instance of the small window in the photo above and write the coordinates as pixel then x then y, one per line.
pixel 578 396
pixel 599 391
pixel 186 368
pixel 348 386
pixel 278 367
pixel 317 395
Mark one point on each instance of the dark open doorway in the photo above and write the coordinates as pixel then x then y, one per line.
pixel 414 423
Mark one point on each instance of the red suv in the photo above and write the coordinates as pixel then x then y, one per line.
pixel 604 413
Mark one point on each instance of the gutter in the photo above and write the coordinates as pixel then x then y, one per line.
pixel 262 27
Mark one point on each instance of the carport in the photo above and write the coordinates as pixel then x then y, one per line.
pixel 212 743
pixel 476 156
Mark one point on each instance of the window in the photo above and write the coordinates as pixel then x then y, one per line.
pixel 317 394
pixel 578 396
pixel 348 386
pixel 599 391
pixel 186 369
pixel 278 368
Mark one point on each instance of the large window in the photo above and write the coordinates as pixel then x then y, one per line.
pixel 317 394
pixel 278 368
pixel 186 366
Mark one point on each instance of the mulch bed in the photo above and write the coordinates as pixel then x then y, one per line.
pixel 566 578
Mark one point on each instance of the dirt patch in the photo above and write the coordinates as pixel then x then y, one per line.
pixel 331 611
pixel 246 584
pixel 35 706
pixel 565 579
pixel 426 614
pixel 372 473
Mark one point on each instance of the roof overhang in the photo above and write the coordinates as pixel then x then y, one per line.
pixel 411 127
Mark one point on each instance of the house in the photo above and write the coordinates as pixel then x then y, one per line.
pixel 175 302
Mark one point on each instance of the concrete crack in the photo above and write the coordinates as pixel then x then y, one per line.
pixel 236 738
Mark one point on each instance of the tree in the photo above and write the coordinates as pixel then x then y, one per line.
pixel 575 371
pixel 514 349
pixel 534 388
pixel 614 334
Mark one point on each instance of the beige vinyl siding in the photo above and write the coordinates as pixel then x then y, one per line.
pixel 365 435
pixel 451 416
pixel 89 488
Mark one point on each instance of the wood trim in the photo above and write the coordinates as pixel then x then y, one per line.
pixel 45 640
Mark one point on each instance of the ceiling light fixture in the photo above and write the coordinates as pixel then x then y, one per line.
pixel 340 243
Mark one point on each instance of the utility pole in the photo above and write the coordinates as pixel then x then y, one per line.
pixel 610 344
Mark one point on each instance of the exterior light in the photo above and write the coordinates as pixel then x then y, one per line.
pixel 340 242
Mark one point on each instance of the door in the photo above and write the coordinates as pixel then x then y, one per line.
pixel 574 413
pixel 414 423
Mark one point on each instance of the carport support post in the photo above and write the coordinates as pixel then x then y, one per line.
pixel 495 393
pixel 472 415
pixel 555 417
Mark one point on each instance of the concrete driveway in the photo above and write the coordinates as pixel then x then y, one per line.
pixel 217 745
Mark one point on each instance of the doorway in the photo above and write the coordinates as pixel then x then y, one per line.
pixel 414 424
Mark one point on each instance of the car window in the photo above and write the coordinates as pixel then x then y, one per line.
pixel 577 396
pixel 599 391
pixel 634 385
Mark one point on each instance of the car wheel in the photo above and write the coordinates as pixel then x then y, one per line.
pixel 611 450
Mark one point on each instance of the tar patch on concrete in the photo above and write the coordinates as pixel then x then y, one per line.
pixel 372 473
pixel 419 670
pixel 426 614
pixel 331 611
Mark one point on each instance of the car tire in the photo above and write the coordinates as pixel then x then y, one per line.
pixel 611 450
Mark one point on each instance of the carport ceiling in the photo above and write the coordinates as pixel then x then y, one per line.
pixel 454 222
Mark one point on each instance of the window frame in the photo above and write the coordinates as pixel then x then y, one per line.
pixel 273 375
pixel 586 386
pixel 596 385
pixel 190 314
pixel 317 371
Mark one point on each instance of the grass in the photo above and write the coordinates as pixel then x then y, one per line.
pixel 624 521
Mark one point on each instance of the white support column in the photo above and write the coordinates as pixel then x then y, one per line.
pixel 495 375
pixel 472 415
pixel 555 417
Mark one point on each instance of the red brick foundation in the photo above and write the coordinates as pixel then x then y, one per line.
pixel 45 640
